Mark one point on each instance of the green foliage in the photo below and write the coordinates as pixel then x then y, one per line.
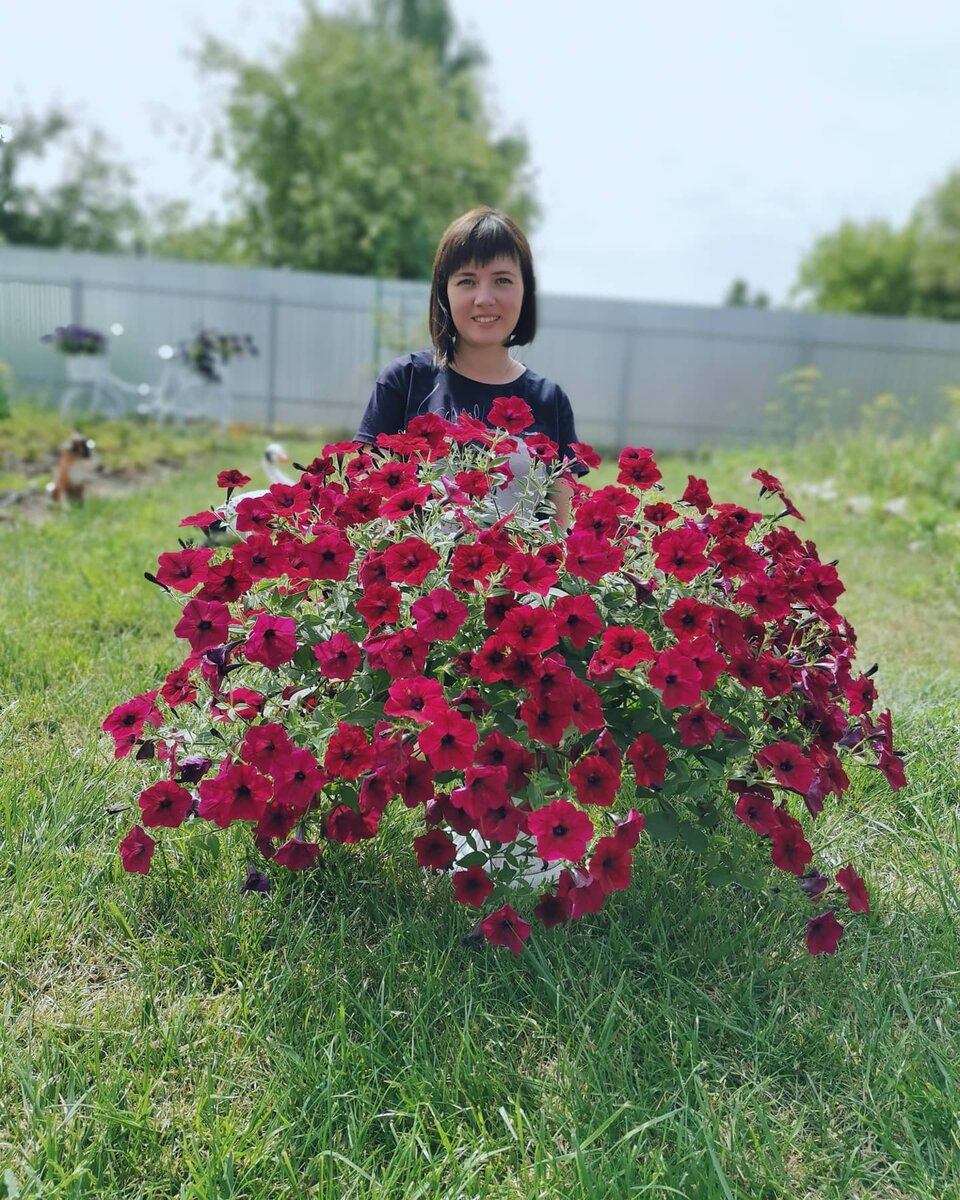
pixel 353 150
pixel 875 267
pixel 739 296
pixel 90 207
pixel 860 268
pixel 936 265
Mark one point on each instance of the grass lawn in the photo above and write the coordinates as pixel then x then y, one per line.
pixel 165 1036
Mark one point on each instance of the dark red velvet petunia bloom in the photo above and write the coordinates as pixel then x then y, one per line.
pixel 166 804
pixel 506 928
pixel 472 886
pixel 823 934
pixel 649 760
pixel 435 849
pixel 136 851
pixel 855 889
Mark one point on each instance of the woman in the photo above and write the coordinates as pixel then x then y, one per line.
pixel 483 300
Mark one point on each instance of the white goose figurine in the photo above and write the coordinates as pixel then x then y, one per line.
pixel 223 531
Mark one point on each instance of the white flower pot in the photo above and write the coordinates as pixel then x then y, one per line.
pixel 85 368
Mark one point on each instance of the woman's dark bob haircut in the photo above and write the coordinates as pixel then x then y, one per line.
pixel 479 236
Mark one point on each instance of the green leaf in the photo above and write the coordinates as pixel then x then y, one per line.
pixel 719 877
pixel 663 826
pixel 475 859
pixel 692 837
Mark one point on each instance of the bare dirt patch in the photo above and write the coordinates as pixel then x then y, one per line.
pixel 32 505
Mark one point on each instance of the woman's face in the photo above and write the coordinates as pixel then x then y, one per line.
pixel 485 302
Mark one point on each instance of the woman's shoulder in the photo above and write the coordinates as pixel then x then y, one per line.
pixel 417 362
pixel 543 388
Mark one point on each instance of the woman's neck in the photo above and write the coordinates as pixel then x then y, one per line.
pixel 487 366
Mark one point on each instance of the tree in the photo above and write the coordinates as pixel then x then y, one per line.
pixel 355 150
pixel 738 296
pixel 861 268
pixel 90 207
pixel 430 23
pixel 936 261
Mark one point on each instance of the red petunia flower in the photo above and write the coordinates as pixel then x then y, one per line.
pixel 404 654
pixel 675 674
pixel 226 581
pixel 595 780
pixel 182 570
pixel 379 605
pixel 855 889
pixel 649 760
pixel 417 698
pixel 435 849
pixel 552 910
pixel 329 556
pixel 238 793
pixel 178 688
pixel 529 573
pixel 409 561
pixel 585 454
pixel 506 928
pixel 625 646
pixel 297 855
pixel 680 552
pixel 789 765
pixel 510 413
pixel 637 467
pixel 272 642
pixel 577 619
pixel 471 563
pixel 529 630
pixel 547 719
pixel 700 726
pixel 823 933
pixel 756 811
pixel 790 850
pixel 347 826
pixel 348 752
pixel 448 741
pixel 165 803
pixel 438 615
pixel 136 851
pixel 696 493
pixel 298 778
pixel 204 624
pixel 232 479
pixel 610 864
pixel 266 747
pixel 561 830
pixel 590 558
pixel 337 657
pixel 472 886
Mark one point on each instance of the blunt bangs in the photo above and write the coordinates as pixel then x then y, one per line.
pixel 479 236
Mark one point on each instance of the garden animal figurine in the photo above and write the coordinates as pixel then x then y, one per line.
pixel 223 531
pixel 76 467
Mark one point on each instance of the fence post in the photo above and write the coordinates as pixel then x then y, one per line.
pixel 272 307
pixel 76 301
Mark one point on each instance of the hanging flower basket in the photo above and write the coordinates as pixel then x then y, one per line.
pixel 387 647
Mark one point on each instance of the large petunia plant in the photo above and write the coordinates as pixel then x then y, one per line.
pixel 384 645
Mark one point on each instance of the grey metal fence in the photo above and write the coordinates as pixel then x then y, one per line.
pixel 670 376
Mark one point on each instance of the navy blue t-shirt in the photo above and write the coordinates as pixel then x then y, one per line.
pixel 411 386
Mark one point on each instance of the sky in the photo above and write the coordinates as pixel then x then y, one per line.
pixel 674 146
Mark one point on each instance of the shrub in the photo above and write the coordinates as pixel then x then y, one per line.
pixel 385 639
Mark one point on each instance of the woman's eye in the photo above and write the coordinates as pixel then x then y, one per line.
pixel 505 279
